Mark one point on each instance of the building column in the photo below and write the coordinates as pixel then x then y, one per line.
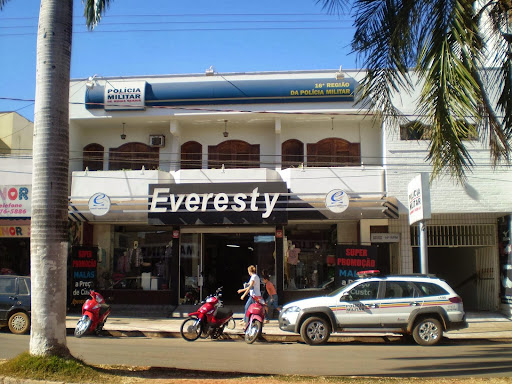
pixel 175 157
pixel 278 154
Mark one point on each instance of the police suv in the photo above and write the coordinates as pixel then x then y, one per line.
pixel 419 305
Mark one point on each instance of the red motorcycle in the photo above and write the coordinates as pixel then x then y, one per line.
pixel 94 315
pixel 209 320
pixel 255 317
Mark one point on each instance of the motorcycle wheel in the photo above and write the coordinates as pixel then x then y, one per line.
pixel 253 331
pixel 191 329
pixel 82 326
pixel 231 324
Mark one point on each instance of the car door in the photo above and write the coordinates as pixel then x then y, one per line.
pixel 358 306
pixel 399 299
pixel 7 294
pixel 24 293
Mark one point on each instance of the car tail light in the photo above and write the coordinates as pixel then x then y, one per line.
pixel 456 300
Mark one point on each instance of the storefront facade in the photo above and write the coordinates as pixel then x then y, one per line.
pixel 197 177
pixel 15 193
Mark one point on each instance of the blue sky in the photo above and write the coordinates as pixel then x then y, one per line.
pixel 159 37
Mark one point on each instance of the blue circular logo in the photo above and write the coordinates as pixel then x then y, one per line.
pixel 337 200
pixel 99 204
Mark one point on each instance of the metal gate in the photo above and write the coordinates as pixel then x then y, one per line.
pixel 480 240
pixel 487 278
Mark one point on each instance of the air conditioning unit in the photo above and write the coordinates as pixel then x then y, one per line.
pixel 157 140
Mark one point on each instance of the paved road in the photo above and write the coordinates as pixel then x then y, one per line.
pixel 454 359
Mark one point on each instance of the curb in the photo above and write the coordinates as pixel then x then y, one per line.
pixel 295 338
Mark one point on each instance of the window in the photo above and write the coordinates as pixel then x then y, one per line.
pixel 234 154
pixel 292 153
pixel 399 289
pixel 414 131
pixel 8 286
pixel 93 157
pixel 431 289
pixel 24 286
pixel 333 152
pixel 191 155
pixel 307 254
pixel 364 291
pixel 134 156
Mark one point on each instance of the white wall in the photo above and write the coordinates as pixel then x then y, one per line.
pixel 486 190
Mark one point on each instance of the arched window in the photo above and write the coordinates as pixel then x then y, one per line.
pixel 191 155
pixel 133 156
pixel 93 157
pixel 292 153
pixel 234 154
pixel 333 152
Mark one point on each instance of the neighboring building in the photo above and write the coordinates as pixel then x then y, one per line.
pixel 15 192
pixel 207 174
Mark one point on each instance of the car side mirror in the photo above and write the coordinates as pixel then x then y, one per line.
pixel 346 297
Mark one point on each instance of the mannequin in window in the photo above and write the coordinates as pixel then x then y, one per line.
pixel 292 260
pixel 135 256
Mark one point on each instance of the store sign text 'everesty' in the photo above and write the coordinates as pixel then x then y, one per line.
pixel 164 201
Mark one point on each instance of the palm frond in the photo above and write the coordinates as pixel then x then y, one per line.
pixel 451 94
pixel 93 11
pixel 2 3
pixel 334 6
pixel 384 42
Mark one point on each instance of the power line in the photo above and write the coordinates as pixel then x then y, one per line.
pixel 193 30
pixel 195 15
pixel 192 22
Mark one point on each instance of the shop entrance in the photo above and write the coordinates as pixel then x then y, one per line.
pixel 470 271
pixel 226 258
pixel 211 260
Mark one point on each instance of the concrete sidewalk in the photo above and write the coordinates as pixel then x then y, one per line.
pixel 482 326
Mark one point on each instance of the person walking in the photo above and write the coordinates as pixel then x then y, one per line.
pixel 252 288
pixel 272 299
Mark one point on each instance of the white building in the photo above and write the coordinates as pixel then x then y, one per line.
pixel 15 192
pixel 207 174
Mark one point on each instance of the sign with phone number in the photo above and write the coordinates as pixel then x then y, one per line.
pixel 15 200
pixel 12 211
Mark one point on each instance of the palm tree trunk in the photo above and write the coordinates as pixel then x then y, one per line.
pixel 49 241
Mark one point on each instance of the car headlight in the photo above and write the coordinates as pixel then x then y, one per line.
pixel 291 309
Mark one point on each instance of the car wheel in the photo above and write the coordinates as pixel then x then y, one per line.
pixel 427 331
pixel 315 331
pixel 19 323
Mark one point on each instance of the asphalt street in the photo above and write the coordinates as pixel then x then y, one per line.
pixel 394 359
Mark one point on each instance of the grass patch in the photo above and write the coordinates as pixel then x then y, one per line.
pixel 55 368
pixel 73 370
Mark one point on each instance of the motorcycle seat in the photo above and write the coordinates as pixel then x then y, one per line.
pixel 104 308
pixel 222 313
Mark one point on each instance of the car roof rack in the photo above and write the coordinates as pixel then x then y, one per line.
pixel 416 275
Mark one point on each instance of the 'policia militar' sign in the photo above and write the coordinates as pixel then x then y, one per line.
pixel 226 203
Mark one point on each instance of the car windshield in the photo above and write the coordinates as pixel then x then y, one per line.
pixel 336 292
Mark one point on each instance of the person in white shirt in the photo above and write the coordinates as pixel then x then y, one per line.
pixel 252 289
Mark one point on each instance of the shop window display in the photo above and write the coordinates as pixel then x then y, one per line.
pixel 143 263
pixel 308 255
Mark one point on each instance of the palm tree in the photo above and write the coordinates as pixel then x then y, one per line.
pixel 49 231
pixel 448 43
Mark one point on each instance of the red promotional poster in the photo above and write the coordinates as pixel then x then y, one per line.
pixel 351 259
pixel 84 262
